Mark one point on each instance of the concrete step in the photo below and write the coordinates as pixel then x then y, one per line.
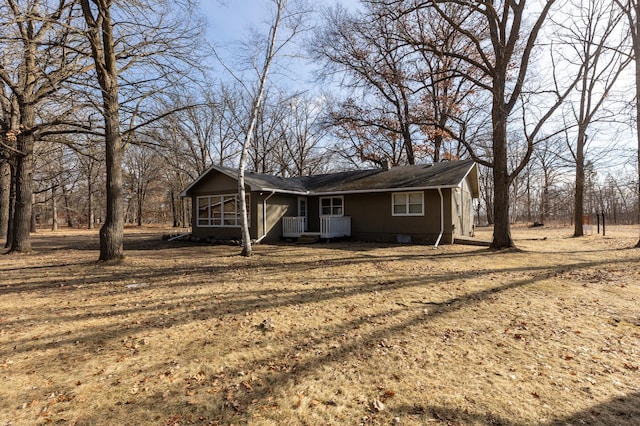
pixel 308 239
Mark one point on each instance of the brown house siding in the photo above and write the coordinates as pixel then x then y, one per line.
pixel 372 219
pixel 278 206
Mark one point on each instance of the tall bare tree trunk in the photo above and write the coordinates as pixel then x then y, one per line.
pixel 12 207
pixel 139 203
pixel 67 208
pixel 34 215
pixel 634 8
pixel 5 189
pixel 54 210
pixel 501 178
pixel 174 210
pixel 38 75
pixel 22 214
pixel 112 231
pixel 578 205
pixel 636 48
pixel 90 214
pixel 101 38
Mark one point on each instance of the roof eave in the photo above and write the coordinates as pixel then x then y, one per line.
pixel 378 190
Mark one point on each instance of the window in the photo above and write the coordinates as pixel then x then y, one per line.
pixel 407 204
pixel 219 210
pixel 331 206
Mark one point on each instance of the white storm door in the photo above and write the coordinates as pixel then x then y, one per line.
pixel 303 211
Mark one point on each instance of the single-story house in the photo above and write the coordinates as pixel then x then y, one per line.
pixel 424 204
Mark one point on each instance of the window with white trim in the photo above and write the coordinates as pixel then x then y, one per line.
pixel 332 206
pixel 407 204
pixel 219 210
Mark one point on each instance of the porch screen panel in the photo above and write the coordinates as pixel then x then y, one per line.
pixel 219 210
pixel 231 211
pixel 204 209
pixel 216 211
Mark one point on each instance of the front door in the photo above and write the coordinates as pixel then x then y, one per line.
pixel 303 211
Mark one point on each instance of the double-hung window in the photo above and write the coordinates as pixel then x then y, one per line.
pixel 219 210
pixel 407 204
pixel 331 206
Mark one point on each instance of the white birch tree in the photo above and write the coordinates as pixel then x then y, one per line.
pixel 286 24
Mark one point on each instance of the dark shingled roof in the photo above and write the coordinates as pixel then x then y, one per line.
pixel 447 174
pixel 438 175
pixel 260 181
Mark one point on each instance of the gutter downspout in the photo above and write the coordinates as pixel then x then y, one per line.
pixel 441 218
pixel 264 217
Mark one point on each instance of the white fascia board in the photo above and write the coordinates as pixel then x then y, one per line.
pixel 284 191
pixel 473 165
pixel 365 191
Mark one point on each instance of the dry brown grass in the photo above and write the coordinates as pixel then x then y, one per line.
pixel 324 334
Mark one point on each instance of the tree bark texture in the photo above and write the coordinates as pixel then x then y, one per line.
pixel 501 178
pixel 578 205
pixel 90 215
pixel 54 210
pixel 112 231
pixel 12 208
pixel 67 207
pixel 21 235
pixel 5 189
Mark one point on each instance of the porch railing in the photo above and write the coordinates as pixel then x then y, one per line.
pixel 292 227
pixel 335 227
pixel 330 227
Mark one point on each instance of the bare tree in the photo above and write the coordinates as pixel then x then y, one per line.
pixel 501 46
pixel 97 15
pixel 8 122
pixel 143 169
pixel 150 37
pixel 594 42
pixel 631 9
pixel 205 131
pixel 288 19
pixel 40 53
pixel 547 158
pixel 303 138
pixel 365 47
pixel 445 83
pixel 267 133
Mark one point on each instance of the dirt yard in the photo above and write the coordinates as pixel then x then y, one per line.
pixel 324 334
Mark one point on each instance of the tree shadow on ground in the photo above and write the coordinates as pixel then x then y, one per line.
pixel 416 318
pixel 620 411
pixel 242 301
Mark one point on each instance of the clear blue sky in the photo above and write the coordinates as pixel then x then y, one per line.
pixel 232 21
